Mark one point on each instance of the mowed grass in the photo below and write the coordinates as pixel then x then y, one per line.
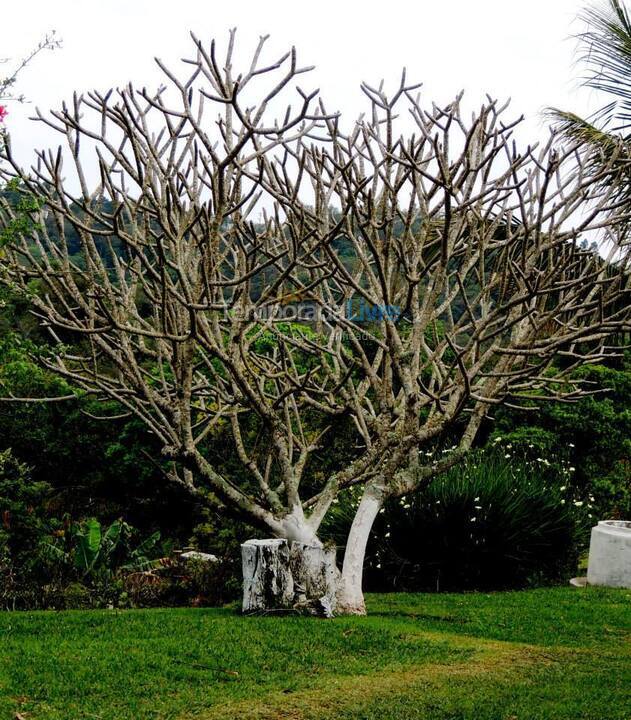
pixel 554 653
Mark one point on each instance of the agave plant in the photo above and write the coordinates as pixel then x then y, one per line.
pixel 492 522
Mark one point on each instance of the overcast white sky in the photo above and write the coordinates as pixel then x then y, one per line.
pixel 508 48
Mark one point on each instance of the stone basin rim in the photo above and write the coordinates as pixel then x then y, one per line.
pixel 618 525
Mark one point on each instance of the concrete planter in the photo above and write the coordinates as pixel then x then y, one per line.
pixel 610 554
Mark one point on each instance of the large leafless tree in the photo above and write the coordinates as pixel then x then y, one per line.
pixel 475 255
pixel 433 269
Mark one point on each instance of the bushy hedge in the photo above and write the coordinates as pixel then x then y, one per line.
pixel 65 563
pixel 593 435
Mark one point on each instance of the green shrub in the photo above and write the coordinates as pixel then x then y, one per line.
pixel 212 584
pixel 24 525
pixel 22 508
pixel 143 589
pixel 490 523
pixel 593 434
pixel 76 596
pixel 221 535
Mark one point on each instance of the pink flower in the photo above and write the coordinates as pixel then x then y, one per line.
pixel 3 113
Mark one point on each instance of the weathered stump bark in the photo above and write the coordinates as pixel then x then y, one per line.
pixel 315 576
pixel 281 575
pixel 267 580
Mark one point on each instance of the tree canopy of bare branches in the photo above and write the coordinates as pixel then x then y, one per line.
pixel 237 258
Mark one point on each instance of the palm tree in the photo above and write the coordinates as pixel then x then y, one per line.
pixel 606 52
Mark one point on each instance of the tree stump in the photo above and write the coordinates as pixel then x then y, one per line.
pixel 267 580
pixel 315 576
pixel 282 575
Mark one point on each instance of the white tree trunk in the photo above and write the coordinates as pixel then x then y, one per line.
pixel 350 596
pixel 295 528
pixel 279 575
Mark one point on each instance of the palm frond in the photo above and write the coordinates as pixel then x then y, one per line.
pixel 605 137
pixel 577 128
pixel 601 149
pixel 607 55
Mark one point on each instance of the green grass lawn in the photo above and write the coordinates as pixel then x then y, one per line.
pixel 555 653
